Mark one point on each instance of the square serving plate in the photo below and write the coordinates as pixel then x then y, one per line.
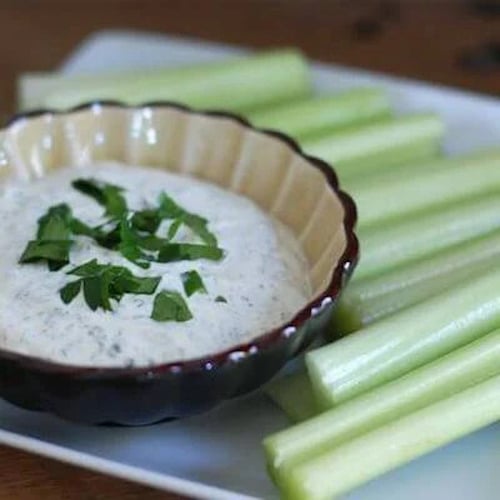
pixel 218 455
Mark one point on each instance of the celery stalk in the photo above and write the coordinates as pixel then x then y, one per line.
pixel 380 145
pixel 398 194
pixel 234 84
pixel 387 246
pixel 325 112
pixel 342 468
pixel 294 395
pixel 431 383
pixel 402 342
pixel 368 300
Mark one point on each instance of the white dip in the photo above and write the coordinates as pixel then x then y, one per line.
pixel 263 275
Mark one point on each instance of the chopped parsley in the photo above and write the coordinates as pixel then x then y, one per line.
pixel 168 209
pixel 172 252
pixel 220 298
pixel 55 253
pixel 192 283
pixel 147 221
pixel 173 229
pixel 130 246
pixel 170 306
pixel 55 224
pixel 53 241
pixel 107 195
pixel 134 234
pixel 102 282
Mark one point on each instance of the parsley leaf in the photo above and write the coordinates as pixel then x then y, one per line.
pixel 172 252
pixel 192 283
pixel 106 235
pixel 107 195
pixel 128 283
pixel 170 306
pixel 198 225
pixel 55 253
pixel 130 246
pixel 169 209
pixel 173 229
pixel 55 224
pixel 69 291
pixel 96 292
pixel 53 241
pixel 81 229
pixel 102 282
pixel 90 268
pixel 147 221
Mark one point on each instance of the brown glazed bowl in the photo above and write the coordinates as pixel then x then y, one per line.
pixel 266 166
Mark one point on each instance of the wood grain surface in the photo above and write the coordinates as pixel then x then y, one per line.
pixel 455 43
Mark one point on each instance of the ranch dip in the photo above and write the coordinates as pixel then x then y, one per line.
pixel 263 276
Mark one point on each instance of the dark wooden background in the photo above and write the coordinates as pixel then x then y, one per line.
pixel 451 42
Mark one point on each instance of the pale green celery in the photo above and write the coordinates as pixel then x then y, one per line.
pixel 380 145
pixel 386 246
pixel 325 112
pixel 433 382
pixel 294 395
pixel 234 84
pixel 406 340
pixel 342 468
pixel 399 194
pixel 368 300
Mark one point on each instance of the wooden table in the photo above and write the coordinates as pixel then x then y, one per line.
pixel 455 43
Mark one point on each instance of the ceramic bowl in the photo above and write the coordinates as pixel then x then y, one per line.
pixel 265 166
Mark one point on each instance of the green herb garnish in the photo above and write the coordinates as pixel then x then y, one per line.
pixel 70 291
pixel 199 227
pixel 170 306
pixel 147 221
pixel 55 253
pixel 130 246
pixel 102 282
pixel 192 283
pixel 90 268
pixel 134 235
pixel 172 252
pixel 55 224
pixel 106 235
pixel 173 229
pixel 107 195
pixel 170 210
pixel 220 298
pixel 53 241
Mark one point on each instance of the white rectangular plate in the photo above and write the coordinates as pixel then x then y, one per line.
pixel 218 455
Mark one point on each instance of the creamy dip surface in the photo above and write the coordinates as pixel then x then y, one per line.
pixel 263 276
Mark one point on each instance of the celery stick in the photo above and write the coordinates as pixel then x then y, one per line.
pixel 395 345
pixel 294 395
pixel 380 145
pixel 235 84
pixel 433 382
pixel 386 246
pixel 398 194
pixel 325 112
pixel 368 300
pixel 342 468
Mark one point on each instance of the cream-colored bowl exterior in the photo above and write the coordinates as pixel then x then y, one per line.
pixel 218 149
